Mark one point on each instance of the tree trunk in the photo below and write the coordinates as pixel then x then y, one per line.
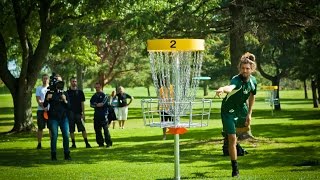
pixel 22 110
pixel 314 94
pixel 276 82
pixel 305 89
pixel 101 77
pixel 237 46
pixel 79 76
pixel 318 87
pixel 148 89
pixel 205 89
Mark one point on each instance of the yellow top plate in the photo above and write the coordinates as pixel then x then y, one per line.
pixel 176 45
pixel 269 87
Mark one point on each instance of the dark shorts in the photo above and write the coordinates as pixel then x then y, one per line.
pixel 165 116
pixel 41 122
pixel 75 119
pixel 233 119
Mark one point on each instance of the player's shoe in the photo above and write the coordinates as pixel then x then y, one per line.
pixel 235 173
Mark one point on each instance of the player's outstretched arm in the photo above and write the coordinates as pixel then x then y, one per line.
pixel 224 89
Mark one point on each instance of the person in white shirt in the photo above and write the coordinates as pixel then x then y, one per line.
pixel 41 121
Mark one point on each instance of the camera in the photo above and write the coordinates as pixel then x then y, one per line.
pixel 54 84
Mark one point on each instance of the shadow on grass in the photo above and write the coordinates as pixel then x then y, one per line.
pixel 150 149
pixel 285 130
pixel 193 148
pixel 5 123
pixel 6 110
pixel 278 157
pixel 295 101
pixel 292 114
pixel 19 137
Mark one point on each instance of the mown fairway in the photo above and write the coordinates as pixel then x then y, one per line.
pixel 287 146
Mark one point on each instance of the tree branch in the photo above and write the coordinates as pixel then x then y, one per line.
pixel 23 36
pixel 5 74
pixel 259 67
pixel 42 48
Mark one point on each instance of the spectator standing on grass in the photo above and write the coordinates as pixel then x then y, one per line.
pixel 77 112
pixel 100 102
pixel 166 102
pixel 236 108
pixel 123 106
pixel 41 121
pixel 59 104
pixel 113 110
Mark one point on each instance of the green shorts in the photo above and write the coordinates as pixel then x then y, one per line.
pixel 231 119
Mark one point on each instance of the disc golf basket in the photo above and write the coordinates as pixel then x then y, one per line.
pixel 175 68
pixel 271 96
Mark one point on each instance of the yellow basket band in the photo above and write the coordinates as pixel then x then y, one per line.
pixel 269 87
pixel 176 45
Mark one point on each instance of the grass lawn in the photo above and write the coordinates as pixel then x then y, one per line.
pixel 287 146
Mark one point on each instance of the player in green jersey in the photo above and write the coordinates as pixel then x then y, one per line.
pixel 236 108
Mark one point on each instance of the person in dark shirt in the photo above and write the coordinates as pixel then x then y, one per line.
pixel 76 113
pixel 100 102
pixel 123 106
pixel 59 104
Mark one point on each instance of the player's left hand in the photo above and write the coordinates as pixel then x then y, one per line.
pixel 63 97
pixel 99 104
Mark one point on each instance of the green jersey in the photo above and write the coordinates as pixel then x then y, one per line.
pixel 236 99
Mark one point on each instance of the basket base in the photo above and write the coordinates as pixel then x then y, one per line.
pixel 171 124
pixel 197 115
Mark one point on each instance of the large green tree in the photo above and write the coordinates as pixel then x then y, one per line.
pixel 20 21
pixel 307 66
pixel 280 27
pixel 71 57
pixel 114 33
pixel 26 28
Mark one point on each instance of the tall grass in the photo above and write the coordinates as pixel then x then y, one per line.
pixel 287 146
